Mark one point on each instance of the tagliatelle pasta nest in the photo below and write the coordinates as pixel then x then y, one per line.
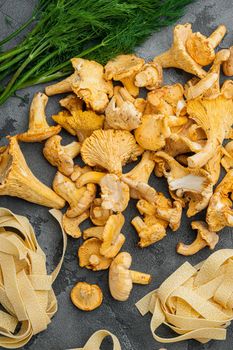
pixel 26 293
pixel 195 301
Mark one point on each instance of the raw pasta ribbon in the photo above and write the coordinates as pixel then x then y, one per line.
pixel 195 302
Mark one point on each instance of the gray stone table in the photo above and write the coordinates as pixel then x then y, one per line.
pixel 70 327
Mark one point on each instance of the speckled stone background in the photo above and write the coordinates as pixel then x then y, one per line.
pixel 70 327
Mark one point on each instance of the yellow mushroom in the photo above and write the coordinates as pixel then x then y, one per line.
pixel 66 188
pixel 71 225
pixel 204 238
pixel 149 231
pixel 150 76
pixel 114 193
pixel 113 239
pixel 219 212
pixel 194 185
pixel 61 156
pixel 138 178
pixel 17 180
pixel 94 232
pixel 39 129
pixel 201 48
pixel 172 215
pixel 215 117
pixel 90 257
pixel 62 118
pixel 78 172
pixel 89 177
pixel 227 89
pixel 124 68
pixel 110 149
pixel 72 103
pixel 98 214
pixel 86 297
pixel 121 279
pixel 152 132
pixel 227 159
pixel 228 65
pixel 121 112
pixel 178 56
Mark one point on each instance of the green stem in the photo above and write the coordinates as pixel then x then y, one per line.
pixel 11 62
pixel 44 79
pixel 13 52
pixel 19 30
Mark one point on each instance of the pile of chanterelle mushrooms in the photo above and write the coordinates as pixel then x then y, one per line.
pixel 177 130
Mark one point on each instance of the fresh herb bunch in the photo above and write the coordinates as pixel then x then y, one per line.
pixel 98 29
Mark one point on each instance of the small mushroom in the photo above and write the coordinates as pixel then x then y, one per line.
pixel 138 178
pixel 72 103
pixel 204 238
pixel 90 257
pixel 71 225
pixel 94 232
pixel 66 188
pixel 228 65
pixel 113 239
pixel 98 215
pixel 110 149
pixel 114 193
pixel 78 171
pixel 121 279
pixel 150 76
pixel 201 48
pixel 178 56
pixel 150 232
pixel 62 118
pixel 17 180
pixel 227 89
pixel 39 129
pixel 86 297
pixel 124 68
pixel 121 112
pixel 172 215
pixel 61 156
pixel 90 177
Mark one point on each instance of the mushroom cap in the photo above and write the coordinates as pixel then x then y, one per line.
pixel 123 66
pixel 62 118
pixel 210 237
pixel 110 149
pixel 87 120
pixel 120 281
pixel 114 193
pixel 90 257
pixel 86 297
pixel 227 89
pixel 150 76
pixel 71 102
pixel 152 132
pixel 200 49
pixel 71 225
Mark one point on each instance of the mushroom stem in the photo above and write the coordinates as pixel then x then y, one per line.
pixel 216 37
pixel 93 177
pixel 190 249
pixel 140 277
pixel 94 260
pixel 60 88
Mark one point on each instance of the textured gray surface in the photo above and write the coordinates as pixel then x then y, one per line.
pixel 70 327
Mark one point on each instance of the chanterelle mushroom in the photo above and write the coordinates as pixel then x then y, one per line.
pixel 110 149
pixel 90 257
pixel 204 238
pixel 114 193
pixel 152 132
pixel 121 112
pixel 71 225
pixel 98 215
pixel 150 76
pixel 72 103
pixel 121 279
pixel 124 68
pixel 39 129
pixel 17 180
pixel 112 237
pixel 178 56
pixel 61 156
pixel 195 185
pixel 86 297
pixel 227 89
pixel 227 159
pixel 201 48
pixel 228 65
pixel 62 118
pixel 138 178
pixel 219 212
pixel 89 83
pixel 66 188
pixel 215 117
